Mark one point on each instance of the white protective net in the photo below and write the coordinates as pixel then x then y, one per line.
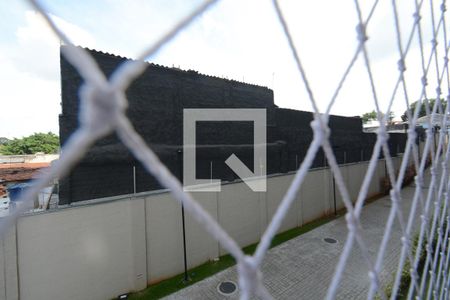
pixel 103 105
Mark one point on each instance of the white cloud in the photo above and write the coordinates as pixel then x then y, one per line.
pixel 240 40
pixel 36 49
pixel 30 76
pixel 76 35
pixel 29 104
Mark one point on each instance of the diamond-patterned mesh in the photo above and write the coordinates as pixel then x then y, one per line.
pixel 103 105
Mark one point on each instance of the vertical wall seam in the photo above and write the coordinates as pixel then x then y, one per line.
pixel 17 257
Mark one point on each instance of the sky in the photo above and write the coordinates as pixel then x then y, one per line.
pixel 240 40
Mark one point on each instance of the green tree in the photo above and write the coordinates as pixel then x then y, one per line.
pixel 369 116
pixel 423 110
pixel 3 141
pixel 372 116
pixel 37 142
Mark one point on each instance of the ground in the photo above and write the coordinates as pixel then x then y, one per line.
pixel 303 267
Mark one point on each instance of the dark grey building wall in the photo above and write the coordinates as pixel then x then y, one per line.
pixel 156 102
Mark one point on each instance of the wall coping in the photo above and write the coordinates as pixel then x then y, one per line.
pixel 142 195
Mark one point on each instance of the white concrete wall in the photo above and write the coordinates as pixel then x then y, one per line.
pixel 276 189
pixel 90 252
pixel 239 213
pixel 376 185
pixel 32 158
pixel 346 178
pixel 9 285
pixel 353 176
pixel 164 237
pixel 200 245
pixel 356 174
pixel 316 196
pixel 41 158
pixel 100 249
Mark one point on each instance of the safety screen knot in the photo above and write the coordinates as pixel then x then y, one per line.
pixel 320 128
pixel 352 221
pixel 383 136
pixel 424 81
pixel 417 17
pixel 361 33
pixel 100 108
pixel 401 65
pixel 250 278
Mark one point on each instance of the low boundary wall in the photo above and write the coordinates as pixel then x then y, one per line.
pixel 102 248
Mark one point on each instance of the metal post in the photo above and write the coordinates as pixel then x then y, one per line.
pixel 418 148
pixel 261 167
pixel 210 170
pixel 434 138
pixel 145 214
pixel 186 277
pixel 3 237
pixel 385 169
pixel 334 195
pixel 134 180
pixel 334 185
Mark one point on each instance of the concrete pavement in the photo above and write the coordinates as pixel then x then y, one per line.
pixel 302 268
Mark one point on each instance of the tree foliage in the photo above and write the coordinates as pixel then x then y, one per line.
pixel 372 116
pixel 37 142
pixel 369 116
pixel 423 110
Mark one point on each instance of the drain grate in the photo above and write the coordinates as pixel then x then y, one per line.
pixel 330 240
pixel 227 288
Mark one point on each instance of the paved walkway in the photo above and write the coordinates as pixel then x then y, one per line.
pixel 302 268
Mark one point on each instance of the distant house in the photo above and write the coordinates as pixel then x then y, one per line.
pixel 395 127
pixel 15 170
pixel 12 173
pixel 436 120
